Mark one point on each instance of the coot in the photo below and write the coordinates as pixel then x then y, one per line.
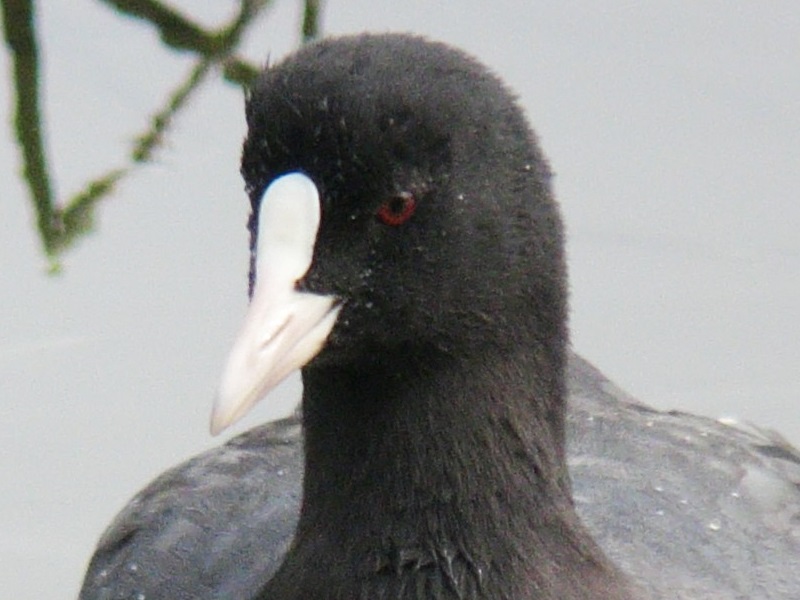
pixel 408 255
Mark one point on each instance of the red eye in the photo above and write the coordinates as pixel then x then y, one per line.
pixel 397 209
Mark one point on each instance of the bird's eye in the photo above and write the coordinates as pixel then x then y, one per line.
pixel 397 209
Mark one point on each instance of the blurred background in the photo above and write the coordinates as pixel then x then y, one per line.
pixel 674 132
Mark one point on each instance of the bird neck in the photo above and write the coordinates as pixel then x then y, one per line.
pixel 434 478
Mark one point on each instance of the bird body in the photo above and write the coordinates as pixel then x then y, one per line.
pixel 689 507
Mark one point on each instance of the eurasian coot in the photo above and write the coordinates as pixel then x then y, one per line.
pixel 408 255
